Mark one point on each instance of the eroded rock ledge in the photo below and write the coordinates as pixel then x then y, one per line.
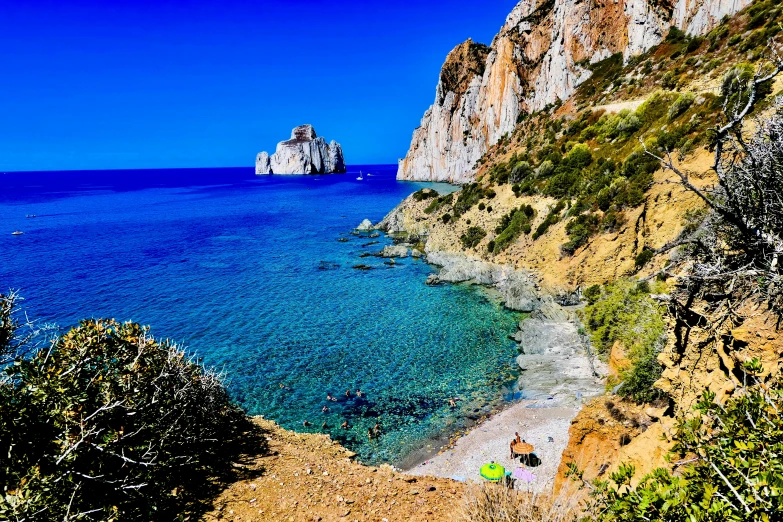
pixel 304 153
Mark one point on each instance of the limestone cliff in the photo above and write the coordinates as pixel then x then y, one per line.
pixel 304 153
pixel 538 57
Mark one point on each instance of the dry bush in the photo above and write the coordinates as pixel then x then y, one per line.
pixel 495 503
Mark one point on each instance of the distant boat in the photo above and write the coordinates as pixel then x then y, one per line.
pixel 30 216
pixel 360 176
pixel 17 233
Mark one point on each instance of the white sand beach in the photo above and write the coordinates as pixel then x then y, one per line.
pixel 489 441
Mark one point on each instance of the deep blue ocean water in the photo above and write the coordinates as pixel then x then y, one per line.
pixel 247 271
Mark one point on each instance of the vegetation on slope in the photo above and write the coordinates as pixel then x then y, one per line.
pixel 106 423
pixel 623 312
pixel 731 470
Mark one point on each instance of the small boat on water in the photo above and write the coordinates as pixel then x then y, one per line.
pixel 17 233
pixel 360 176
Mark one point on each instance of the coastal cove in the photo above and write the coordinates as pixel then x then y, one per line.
pixel 255 275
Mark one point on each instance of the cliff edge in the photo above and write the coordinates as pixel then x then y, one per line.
pixel 539 56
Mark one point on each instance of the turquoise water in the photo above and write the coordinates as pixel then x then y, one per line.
pixel 248 272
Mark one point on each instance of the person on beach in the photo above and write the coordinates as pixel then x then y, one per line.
pixel 511 448
pixel 517 439
pixel 344 425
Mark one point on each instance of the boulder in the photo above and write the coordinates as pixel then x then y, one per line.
pixel 365 225
pixel 304 153
pixel 394 251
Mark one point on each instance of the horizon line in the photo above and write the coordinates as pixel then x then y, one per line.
pixel 176 168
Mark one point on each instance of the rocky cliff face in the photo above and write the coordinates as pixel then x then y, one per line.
pixel 538 57
pixel 304 153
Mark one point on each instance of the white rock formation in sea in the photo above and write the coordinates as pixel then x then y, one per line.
pixel 304 153
pixel 537 58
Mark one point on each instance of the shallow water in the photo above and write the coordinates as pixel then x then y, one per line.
pixel 247 272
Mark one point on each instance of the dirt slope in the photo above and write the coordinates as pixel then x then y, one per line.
pixel 308 477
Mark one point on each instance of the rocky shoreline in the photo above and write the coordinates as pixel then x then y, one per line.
pixel 556 368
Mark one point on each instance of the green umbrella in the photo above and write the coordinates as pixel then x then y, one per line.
pixel 493 472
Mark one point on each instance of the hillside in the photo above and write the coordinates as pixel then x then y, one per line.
pixel 567 196
pixel 542 53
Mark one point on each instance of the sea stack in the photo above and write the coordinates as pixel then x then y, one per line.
pixel 304 153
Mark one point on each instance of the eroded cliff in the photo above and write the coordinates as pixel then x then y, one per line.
pixel 304 153
pixel 540 56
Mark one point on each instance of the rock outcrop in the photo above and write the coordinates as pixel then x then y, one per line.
pixel 538 57
pixel 304 153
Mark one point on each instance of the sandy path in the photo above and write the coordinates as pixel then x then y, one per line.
pixel 489 441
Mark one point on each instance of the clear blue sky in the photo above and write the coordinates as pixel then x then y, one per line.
pixel 120 84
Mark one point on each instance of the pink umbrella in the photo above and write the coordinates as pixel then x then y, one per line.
pixel 523 474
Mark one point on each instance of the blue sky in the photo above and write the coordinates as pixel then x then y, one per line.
pixel 120 84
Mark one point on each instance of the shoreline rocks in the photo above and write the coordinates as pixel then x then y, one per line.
pixel 304 153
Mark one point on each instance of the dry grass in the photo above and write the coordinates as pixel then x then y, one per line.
pixel 495 503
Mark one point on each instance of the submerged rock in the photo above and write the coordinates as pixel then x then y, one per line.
pixel 304 153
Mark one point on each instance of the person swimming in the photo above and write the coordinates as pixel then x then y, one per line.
pixel 348 392
pixel 306 424
pixel 358 392
pixel 329 397
pixel 344 425
pixel 369 434
pixel 376 430
pixel 325 409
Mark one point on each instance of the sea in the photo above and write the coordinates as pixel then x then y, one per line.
pixel 255 275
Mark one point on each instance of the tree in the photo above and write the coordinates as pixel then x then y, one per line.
pixel 741 240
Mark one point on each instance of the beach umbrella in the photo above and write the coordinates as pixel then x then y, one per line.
pixel 523 474
pixel 523 448
pixel 493 472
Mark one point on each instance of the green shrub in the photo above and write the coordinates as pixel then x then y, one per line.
pixel 737 474
pixel 644 257
pixel 110 424
pixel 625 312
pixel 579 231
pixel 521 171
pixel 446 218
pixel 439 203
pixel 421 195
pixel 675 35
pixel 592 293
pixel 511 226
pixel 680 105
pixel 467 197
pixel 552 217
pixel 472 237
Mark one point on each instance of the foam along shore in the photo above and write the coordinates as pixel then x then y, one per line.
pixel 489 441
